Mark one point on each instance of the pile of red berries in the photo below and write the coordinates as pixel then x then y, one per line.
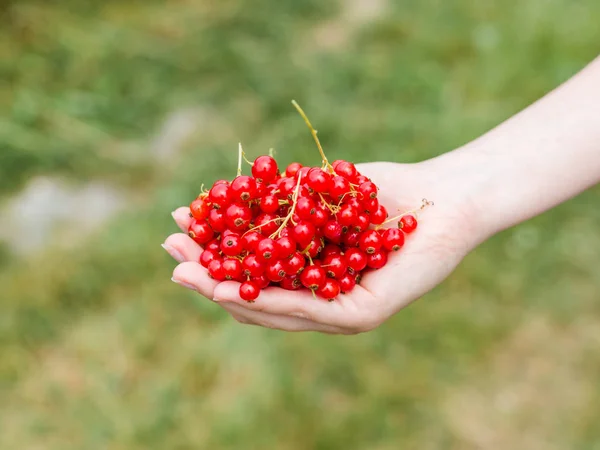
pixel 318 228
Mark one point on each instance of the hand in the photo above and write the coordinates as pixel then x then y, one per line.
pixel 445 234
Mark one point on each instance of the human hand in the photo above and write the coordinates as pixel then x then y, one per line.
pixel 444 236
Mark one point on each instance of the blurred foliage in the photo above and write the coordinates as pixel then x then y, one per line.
pixel 99 350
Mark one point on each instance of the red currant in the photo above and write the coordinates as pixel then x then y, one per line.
pixel 377 260
pixel 207 256
pixel 276 271
pixel 249 291
pixel 330 250
pixel 269 203
pixel 291 283
pixel 367 190
pixel 286 246
pixel 370 241
pixel 220 195
pixel 335 266
pixel 313 277
pixel 199 209
pixel 266 224
pixel 393 239
pixel 292 169
pixel 305 208
pixel 265 168
pixel 215 270
pixel 347 282
pixel 250 240
pixel 216 220
pixel 238 217
pixel 408 223
pixel 231 245
pixel 232 268
pixel 262 281
pixel 252 266
pixel 200 231
pixel 266 250
pixel 351 238
pixel 347 170
pixel 295 264
pixel 362 222
pixel 339 187
pixel 329 290
pixel 356 259
pixel 318 180
pixel 243 188
pixel 333 231
pixel 214 245
pixel 379 215
pixel 303 233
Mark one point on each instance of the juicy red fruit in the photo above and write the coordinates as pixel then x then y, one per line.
pixel 249 291
pixel 243 188
pixel 265 169
pixel 313 277
pixel 200 231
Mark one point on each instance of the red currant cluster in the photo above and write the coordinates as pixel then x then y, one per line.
pixel 312 227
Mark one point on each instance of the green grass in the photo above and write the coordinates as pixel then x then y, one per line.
pixel 100 350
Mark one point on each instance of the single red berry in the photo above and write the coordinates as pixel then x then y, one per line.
pixel 347 170
pixel 356 259
pixel 370 204
pixel 252 266
pixel 286 247
pixel 292 169
pixel 276 271
pixel 199 209
pixel 220 195
pixel 329 290
pixel 360 179
pixel 265 168
pixel 207 256
pixel 216 220
pixel 200 231
pixel 330 250
pixel 367 190
pixel 350 238
pixel 393 239
pixel 262 281
pixel 320 217
pixel 302 174
pixel 408 223
pixel 231 245
pixel 305 208
pixel 249 291
pixel 250 240
pixel 335 266
pixel 318 180
pixel 347 282
pixel 379 216
pixel 238 217
pixel 303 233
pixel 266 250
pixel 232 268
pixel 215 270
pixel 347 215
pixel 336 162
pixel 269 203
pixel 243 188
pixel 266 224
pixel 339 187
pixel 362 222
pixel 313 277
pixel 333 231
pixel 370 241
pixel 291 283
pixel 377 260
pixel 295 263
pixel 314 247
pixel 214 245
pixel 286 187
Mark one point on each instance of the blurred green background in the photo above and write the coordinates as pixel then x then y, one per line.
pixel 115 112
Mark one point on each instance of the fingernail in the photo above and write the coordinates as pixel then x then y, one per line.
pixel 215 299
pixel 184 284
pixel 173 252
pixel 173 215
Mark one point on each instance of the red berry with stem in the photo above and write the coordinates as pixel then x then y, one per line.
pixel 370 241
pixel 393 239
pixel 335 266
pixel 362 222
pixel 200 231
pixel 275 271
pixel 232 268
pixel 367 190
pixel 351 238
pixel 286 187
pixel 207 256
pixel 333 231
pixel 266 224
pixel 215 270
pixel 238 217
pixel 220 195
pixel 379 215
pixel 261 281
pixel 252 266
pixel 370 205
pixel 377 260
pixel 313 277
pixel 291 283
pixel 269 203
pixel 265 168
pixel 302 173
pixel 347 215
pixel 243 188
pixel 356 259
pixel 292 169
pixel 320 217
pixel 303 233
pixel 347 282
pixel 249 291
pixel 329 290
pixel 250 240
pixel 216 220
pixel 231 245
pixel 266 250
pixel 318 180
pixel 408 223
pixel 286 246
pixel 305 208
pixel 314 247
pixel 339 188
pixel 347 170
pixel 199 209
pixel 295 263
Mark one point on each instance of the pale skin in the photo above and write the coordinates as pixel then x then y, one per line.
pixel 534 161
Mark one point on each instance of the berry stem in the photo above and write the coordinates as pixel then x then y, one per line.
pixel 333 208
pixel 414 212
pixel 292 210
pixel 271 152
pixel 240 153
pixel 314 135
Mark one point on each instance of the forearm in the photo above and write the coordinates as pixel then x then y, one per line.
pixel 539 158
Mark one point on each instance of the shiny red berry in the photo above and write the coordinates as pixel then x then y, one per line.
pixel 339 188
pixel 356 259
pixel 252 266
pixel 393 239
pixel 286 246
pixel 231 245
pixel 295 263
pixel 303 233
pixel 200 231
pixel 291 283
pixel 199 209
pixel 292 169
pixel 261 281
pixel 269 203
pixel 216 220
pixel 220 195
pixel 347 215
pixel 377 260
pixel 243 188
pixel 370 241
pixel 329 290
pixel 333 231
pixel 238 217
pixel 351 238
pixel 318 180
pixel 249 291
pixel 347 282
pixel 335 266
pixel 266 250
pixel 266 224
pixel 265 168
pixel 379 215
pixel 320 217
pixel 367 190
pixel 250 240
pixel 305 208
pixel 207 256
pixel 275 271
pixel 408 223
pixel 362 222
pixel 214 245
pixel 233 269
pixel 329 250
pixel 347 170
pixel 314 247
pixel 313 277
pixel 215 270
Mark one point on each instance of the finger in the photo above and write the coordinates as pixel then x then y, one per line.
pixel 182 218
pixel 300 304
pixel 182 248
pixel 193 276
pixel 277 322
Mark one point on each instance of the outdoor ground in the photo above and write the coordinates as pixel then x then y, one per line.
pixel 115 112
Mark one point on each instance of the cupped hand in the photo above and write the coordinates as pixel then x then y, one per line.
pixel 445 234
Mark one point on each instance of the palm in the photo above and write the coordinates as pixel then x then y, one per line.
pixel 428 256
